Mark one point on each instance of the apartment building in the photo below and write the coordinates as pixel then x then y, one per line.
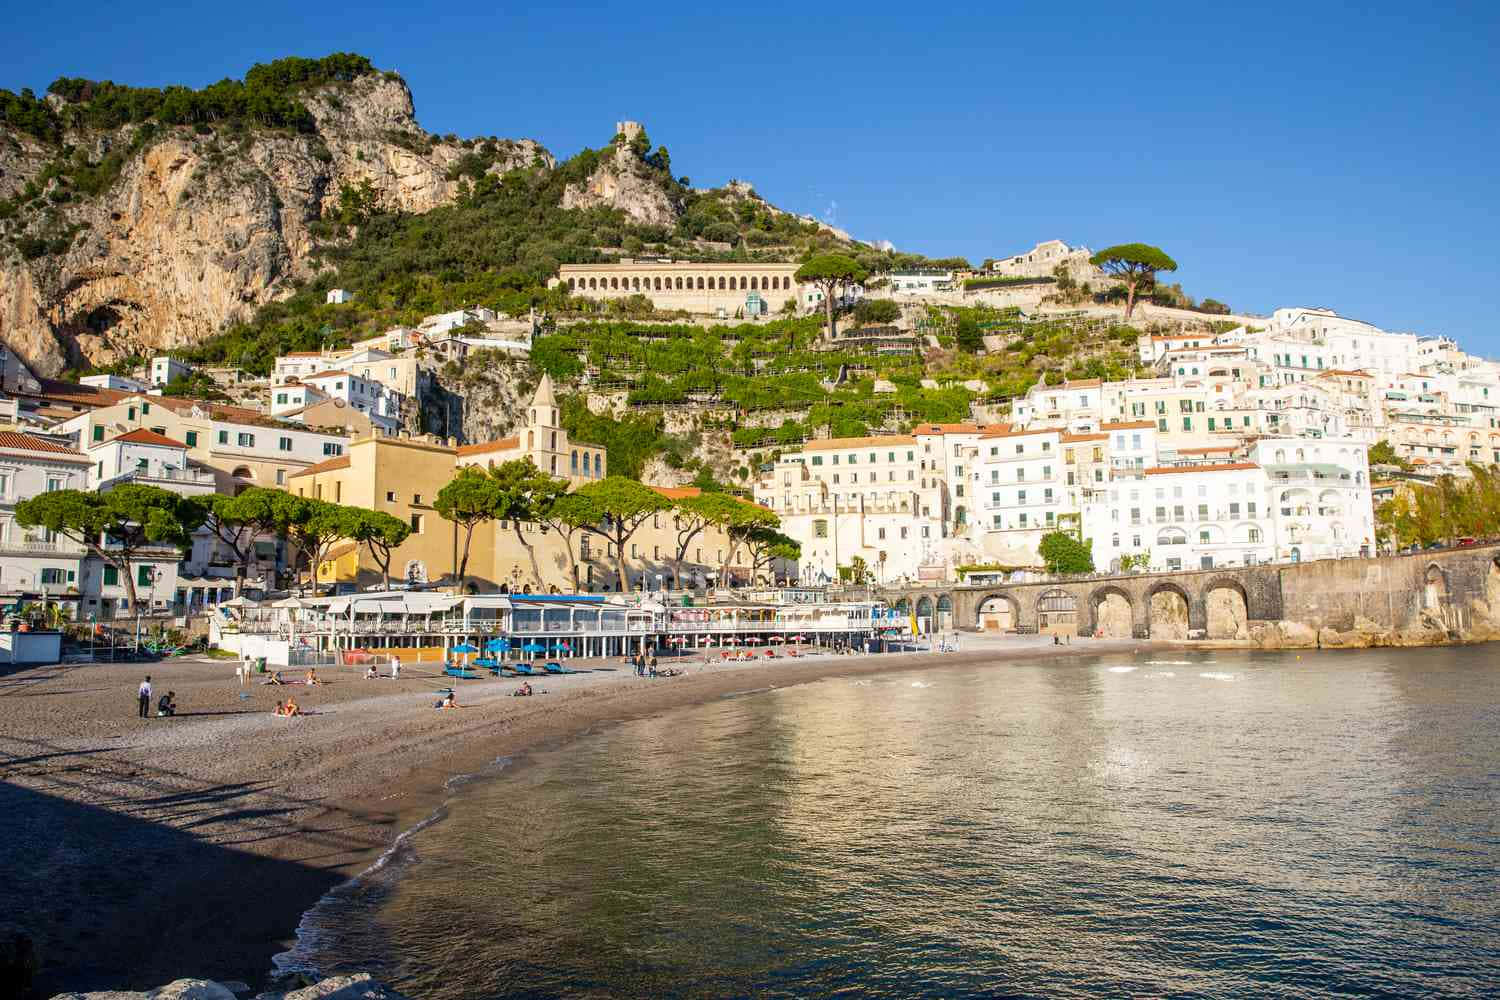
pixel 239 447
pixel 883 499
pixel 32 560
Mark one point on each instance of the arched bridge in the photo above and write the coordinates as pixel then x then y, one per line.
pixel 1220 603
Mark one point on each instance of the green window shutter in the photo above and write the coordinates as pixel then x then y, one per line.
pixel 145 408
pixel 143 575
pixel 192 439
pixel 70 576
pixel 111 576
pixel 98 433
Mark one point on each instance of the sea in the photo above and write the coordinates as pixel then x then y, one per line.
pixel 1227 824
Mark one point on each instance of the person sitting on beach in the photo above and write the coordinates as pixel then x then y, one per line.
pixel 276 678
pixel 166 706
pixel 280 708
pixel 312 677
pixel 370 672
pixel 449 701
pixel 524 690
pixel 291 708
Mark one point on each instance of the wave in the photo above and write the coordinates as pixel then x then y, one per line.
pixel 1122 670
pixel 1218 676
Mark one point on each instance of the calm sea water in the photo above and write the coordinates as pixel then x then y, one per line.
pixel 1232 825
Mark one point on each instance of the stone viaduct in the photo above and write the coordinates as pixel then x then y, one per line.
pixel 1394 591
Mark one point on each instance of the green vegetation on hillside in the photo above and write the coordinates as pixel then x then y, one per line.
pixel 1444 512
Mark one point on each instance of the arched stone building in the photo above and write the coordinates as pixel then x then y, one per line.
pixel 701 288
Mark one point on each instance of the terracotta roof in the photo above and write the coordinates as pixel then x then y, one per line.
pixel 330 373
pixel 303 354
pixel 332 465
pixel 1164 470
pixel 678 492
pixel 1205 451
pixel 1083 383
pixel 1127 425
pixel 1076 438
pixel 1006 430
pixel 1344 371
pixel 87 395
pixel 833 444
pixel 947 429
pixel 217 411
pixel 503 444
pixel 19 441
pixel 142 436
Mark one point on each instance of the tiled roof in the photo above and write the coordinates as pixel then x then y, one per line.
pixel 332 465
pixel 1077 438
pixel 19 441
pixel 143 436
pixel 678 492
pixel 502 444
pixel 834 444
pixel 1127 425
pixel 332 372
pixel 1083 383
pixel 947 429
pixel 1165 470
pixel 86 395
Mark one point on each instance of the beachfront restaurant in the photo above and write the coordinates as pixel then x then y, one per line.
pixel 423 625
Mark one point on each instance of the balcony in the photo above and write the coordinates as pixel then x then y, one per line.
pixel 37 547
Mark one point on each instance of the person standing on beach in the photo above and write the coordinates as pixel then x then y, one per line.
pixel 395 668
pixel 143 694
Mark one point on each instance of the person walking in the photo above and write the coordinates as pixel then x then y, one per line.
pixel 143 693
pixel 395 668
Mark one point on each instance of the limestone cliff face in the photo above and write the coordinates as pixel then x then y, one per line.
pixel 199 230
pixel 624 182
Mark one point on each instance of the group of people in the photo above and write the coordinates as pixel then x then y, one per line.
pixel 165 707
pixel 448 700
pixel 287 708
pixel 645 666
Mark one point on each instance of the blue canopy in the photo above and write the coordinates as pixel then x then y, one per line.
pixel 497 645
pixel 464 647
pixel 533 647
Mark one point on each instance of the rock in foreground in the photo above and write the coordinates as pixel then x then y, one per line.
pixel 359 986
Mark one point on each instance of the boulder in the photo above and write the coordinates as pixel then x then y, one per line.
pixel 359 986
pixel 192 989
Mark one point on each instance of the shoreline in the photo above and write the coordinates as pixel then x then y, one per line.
pixel 225 826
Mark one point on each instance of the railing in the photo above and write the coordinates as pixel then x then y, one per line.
pixel 26 546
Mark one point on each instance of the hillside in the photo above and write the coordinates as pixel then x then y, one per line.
pixel 136 219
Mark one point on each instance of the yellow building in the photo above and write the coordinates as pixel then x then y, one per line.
pixel 402 477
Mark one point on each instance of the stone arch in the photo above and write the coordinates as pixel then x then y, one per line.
pixel 902 607
pixel 924 612
pixel 1057 611
pixel 1112 613
pixel 1168 608
pixel 1227 609
pixel 571 285
pixel 998 613
pixel 944 612
pixel 754 283
pixel 243 472
pixel 700 284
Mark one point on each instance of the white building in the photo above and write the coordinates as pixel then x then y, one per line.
pixel 121 382
pixel 167 369
pixel 919 281
pixel 877 498
pixel 338 296
pixel 32 561
pixel 382 405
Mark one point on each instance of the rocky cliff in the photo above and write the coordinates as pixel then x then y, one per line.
pixel 200 228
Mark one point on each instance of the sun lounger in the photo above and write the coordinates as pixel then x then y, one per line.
pixel 463 673
pixel 553 667
pixel 526 669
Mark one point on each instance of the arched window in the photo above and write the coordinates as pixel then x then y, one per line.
pixel 593 282
pixel 598 465
pixel 574 466
pixel 658 284
pixel 1280 456
pixel 721 283
pixel 570 284
pixel 700 284
pixel 530 439
pixel 754 284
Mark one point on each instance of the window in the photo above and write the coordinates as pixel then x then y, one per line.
pixel 111 576
pixel 903 534
pixel 285 444
pixel 144 575
pixel 331 449
pixel 55 483
pixel 820 529
pixel 246 440
pixel 280 477
pixel 416 524
pixel 98 433
pixel 817 460
pixel 223 437
pixel 1203 512
pixel 416 498
pixel 390 496
pixel 53 576
pixel 1177 514
pixel 192 439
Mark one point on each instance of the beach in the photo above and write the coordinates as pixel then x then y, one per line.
pixel 140 851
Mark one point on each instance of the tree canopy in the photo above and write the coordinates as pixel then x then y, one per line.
pixel 1063 553
pixel 831 273
pixel 1136 265
pixel 116 525
pixel 622 505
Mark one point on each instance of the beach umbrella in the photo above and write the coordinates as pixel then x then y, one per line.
pixel 534 647
pixel 498 645
pixel 464 647
pixel 753 638
pixel 798 638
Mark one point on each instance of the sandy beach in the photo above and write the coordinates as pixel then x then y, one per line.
pixel 139 851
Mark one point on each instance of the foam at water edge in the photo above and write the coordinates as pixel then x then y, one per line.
pixel 1122 670
pixel 1217 676
pixel 311 933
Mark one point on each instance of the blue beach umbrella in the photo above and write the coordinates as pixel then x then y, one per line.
pixel 498 645
pixel 534 647
pixel 464 647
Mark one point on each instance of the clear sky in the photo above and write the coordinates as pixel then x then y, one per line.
pixel 1342 155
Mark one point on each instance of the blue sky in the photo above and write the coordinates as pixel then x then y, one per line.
pixel 1308 154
